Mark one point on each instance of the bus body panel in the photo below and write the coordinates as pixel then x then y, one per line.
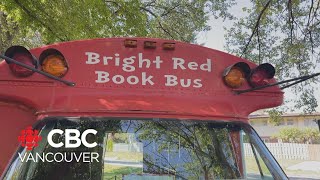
pixel 14 119
pixel 186 84
pixel 156 94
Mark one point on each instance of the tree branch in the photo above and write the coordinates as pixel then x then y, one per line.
pixel 307 26
pixel 166 31
pixel 291 20
pixel 256 27
pixel 315 11
pixel 310 11
pixel 149 11
pixel 259 45
pixel 37 19
pixel 170 10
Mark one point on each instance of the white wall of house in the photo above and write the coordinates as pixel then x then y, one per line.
pixel 265 129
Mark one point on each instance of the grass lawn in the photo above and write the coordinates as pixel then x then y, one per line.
pixel 127 156
pixel 252 167
pixel 116 172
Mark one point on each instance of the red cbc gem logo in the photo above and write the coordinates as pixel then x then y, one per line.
pixel 29 138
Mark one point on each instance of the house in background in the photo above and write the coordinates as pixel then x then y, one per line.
pixel 266 130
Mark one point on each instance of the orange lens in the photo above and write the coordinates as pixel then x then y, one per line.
pixel 55 65
pixel 234 78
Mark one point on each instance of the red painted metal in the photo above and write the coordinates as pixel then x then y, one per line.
pixel 14 118
pixel 214 100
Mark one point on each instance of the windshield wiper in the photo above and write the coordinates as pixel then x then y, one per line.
pixel 296 81
pixel 38 71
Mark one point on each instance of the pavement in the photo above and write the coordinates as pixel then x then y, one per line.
pixel 306 166
pixel 311 166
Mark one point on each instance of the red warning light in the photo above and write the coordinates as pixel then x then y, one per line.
pixel 261 75
pixel 22 55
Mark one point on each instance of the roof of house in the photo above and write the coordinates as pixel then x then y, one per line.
pixel 251 116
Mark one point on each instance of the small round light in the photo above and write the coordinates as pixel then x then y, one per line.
pixel 261 75
pixel 18 70
pixel 235 75
pixel 234 78
pixel 258 78
pixel 21 54
pixel 55 65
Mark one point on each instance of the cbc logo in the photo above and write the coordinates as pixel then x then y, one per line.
pixel 73 138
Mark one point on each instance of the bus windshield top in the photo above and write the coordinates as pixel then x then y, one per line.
pixel 131 148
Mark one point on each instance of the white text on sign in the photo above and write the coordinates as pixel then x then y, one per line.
pixel 130 64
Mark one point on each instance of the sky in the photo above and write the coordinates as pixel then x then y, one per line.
pixel 215 39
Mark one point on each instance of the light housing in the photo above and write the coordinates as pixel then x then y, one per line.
pixel 235 75
pixel 168 46
pixel 130 43
pixel 21 54
pixel 261 75
pixel 53 62
pixel 150 45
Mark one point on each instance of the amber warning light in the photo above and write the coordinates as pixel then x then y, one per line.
pixel 53 62
pixel 234 76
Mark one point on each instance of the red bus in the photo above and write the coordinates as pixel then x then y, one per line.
pixel 133 108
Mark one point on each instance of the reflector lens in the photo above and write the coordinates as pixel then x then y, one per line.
pixel 149 45
pixel 55 65
pixel 21 54
pixel 261 75
pixel 20 71
pixel 168 46
pixel 234 78
pixel 258 78
pixel 130 43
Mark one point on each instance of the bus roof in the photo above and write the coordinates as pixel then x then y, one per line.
pixel 145 78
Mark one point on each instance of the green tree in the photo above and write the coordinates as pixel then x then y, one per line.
pixel 299 135
pixel 275 117
pixel 12 34
pixel 284 33
pixel 57 20
pixel 290 134
pixel 209 149
pixel 311 135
